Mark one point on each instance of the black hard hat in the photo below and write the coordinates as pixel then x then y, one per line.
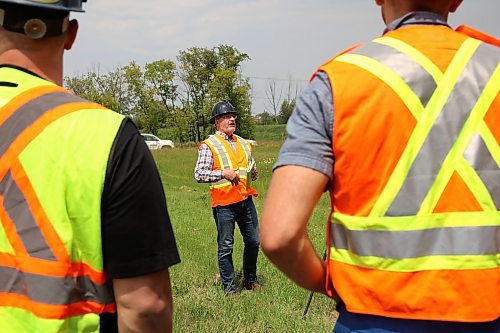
pixel 64 5
pixel 221 108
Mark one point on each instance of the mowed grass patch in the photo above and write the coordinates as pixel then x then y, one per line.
pixel 200 305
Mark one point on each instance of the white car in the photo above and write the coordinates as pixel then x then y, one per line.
pixel 154 142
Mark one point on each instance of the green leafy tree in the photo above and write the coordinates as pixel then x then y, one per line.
pixel 106 89
pixel 286 110
pixel 210 75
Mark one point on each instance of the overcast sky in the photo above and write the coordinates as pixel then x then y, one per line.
pixel 285 39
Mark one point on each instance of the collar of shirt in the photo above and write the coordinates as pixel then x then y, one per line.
pixel 416 18
pixel 225 136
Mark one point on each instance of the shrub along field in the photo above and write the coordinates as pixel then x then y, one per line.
pixel 200 305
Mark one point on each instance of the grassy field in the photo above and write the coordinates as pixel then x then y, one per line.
pixel 200 305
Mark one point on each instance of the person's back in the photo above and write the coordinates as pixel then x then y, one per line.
pixel 415 199
pixel 71 209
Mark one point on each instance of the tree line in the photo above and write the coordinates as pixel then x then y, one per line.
pixel 174 99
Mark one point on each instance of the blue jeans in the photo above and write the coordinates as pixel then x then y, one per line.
pixel 349 322
pixel 245 215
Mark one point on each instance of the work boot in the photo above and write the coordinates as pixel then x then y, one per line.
pixel 252 285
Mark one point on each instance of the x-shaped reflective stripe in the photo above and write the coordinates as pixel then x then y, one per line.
pixel 449 108
pixel 15 203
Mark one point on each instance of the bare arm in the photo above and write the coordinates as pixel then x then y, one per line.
pixel 292 196
pixel 144 303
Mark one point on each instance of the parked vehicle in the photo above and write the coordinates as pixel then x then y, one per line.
pixel 154 142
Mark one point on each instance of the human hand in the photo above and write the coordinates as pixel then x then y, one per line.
pixel 232 175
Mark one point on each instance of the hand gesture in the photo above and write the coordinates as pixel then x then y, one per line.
pixel 232 175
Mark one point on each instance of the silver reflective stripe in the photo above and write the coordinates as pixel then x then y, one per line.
pixel 417 243
pixel 479 157
pixel 29 113
pixel 245 146
pixel 53 290
pixel 444 132
pixel 20 214
pixel 220 151
pixel 417 78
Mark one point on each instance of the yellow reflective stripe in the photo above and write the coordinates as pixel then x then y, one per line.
pixel 413 53
pixel 490 141
pixel 417 264
pixel 224 150
pixel 402 223
pixel 387 75
pixel 224 183
pixel 217 156
pixel 46 1
pixel 475 184
pixel 454 157
pixel 424 125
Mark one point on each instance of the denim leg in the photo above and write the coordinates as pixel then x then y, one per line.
pixel 224 219
pixel 249 228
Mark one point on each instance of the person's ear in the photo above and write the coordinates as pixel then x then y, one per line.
pixel 71 35
pixel 379 2
pixel 454 6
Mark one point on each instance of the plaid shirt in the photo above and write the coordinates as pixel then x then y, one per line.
pixel 203 172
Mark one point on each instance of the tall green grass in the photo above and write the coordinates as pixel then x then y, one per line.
pixel 200 305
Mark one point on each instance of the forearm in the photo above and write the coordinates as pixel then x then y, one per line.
pixel 207 176
pixel 144 303
pixel 292 196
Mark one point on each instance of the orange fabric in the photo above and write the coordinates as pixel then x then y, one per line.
pixel 230 194
pixel 369 111
pixel 48 311
pixel 457 197
pixel 471 32
pixel 492 119
pixel 476 301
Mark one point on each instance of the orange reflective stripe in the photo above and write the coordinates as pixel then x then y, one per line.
pixel 21 99
pixel 61 269
pixel 39 215
pixel 35 129
pixel 10 232
pixel 49 311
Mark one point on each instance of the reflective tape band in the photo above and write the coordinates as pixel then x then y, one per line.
pixel 413 74
pixel 224 161
pixel 30 112
pixel 480 159
pixel 53 290
pixel 246 147
pixel 417 264
pixel 455 241
pixel 20 214
pixel 444 131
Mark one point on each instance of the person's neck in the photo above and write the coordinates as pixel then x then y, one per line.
pixel 50 68
pixel 229 134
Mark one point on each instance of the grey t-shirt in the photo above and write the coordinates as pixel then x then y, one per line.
pixel 310 128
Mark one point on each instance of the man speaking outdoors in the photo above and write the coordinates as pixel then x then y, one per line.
pixel 225 160
pixel 85 236
pixel 404 132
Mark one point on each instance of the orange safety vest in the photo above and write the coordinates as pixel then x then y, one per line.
pixel 414 224
pixel 223 192
pixel 48 278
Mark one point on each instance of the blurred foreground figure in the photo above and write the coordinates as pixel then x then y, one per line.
pixel 404 132
pixel 85 236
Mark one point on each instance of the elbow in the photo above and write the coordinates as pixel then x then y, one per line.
pixel 275 245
